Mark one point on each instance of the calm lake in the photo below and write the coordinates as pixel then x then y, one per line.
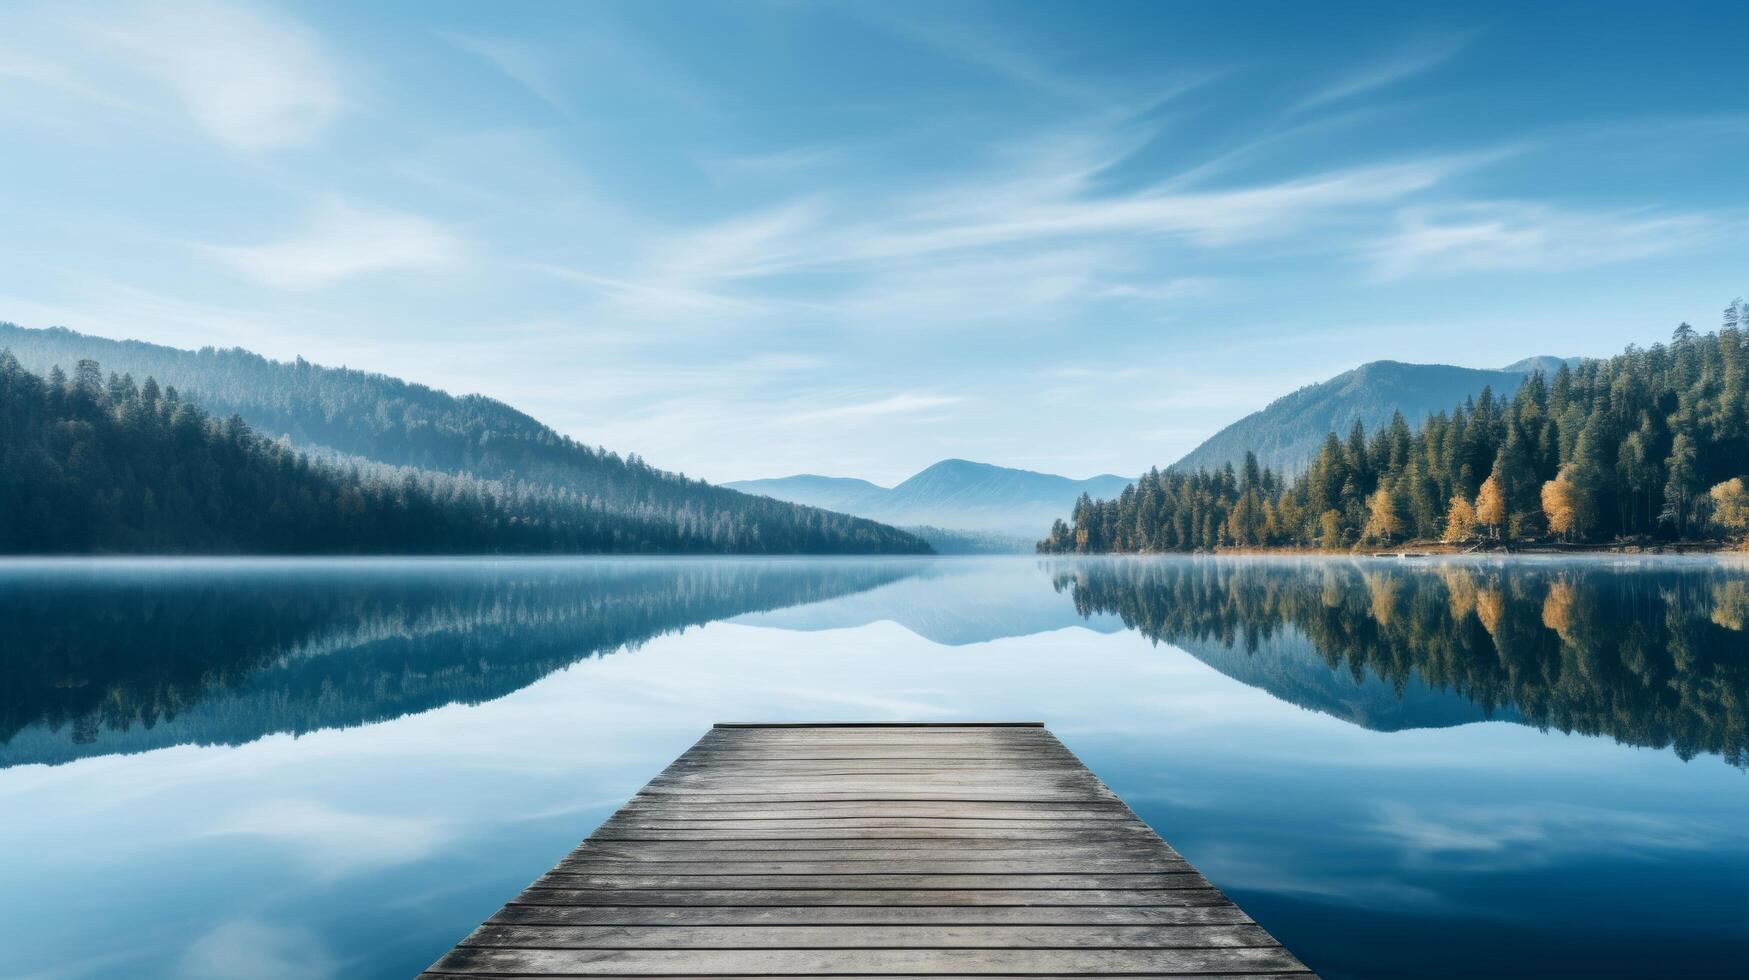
pixel 337 768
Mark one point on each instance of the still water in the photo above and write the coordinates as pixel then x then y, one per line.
pixel 335 769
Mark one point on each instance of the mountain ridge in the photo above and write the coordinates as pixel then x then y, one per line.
pixel 1286 433
pixel 953 494
pixel 390 421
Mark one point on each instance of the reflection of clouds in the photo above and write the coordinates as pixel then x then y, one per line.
pixel 1516 836
pixel 1245 868
pixel 333 842
pixel 1265 797
pixel 247 949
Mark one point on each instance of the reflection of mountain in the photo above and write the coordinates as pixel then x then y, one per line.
pixel 1651 657
pixel 124 658
pixel 953 603
pixel 1290 669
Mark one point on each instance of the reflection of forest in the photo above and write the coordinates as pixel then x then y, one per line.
pixel 96 664
pixel 1655 657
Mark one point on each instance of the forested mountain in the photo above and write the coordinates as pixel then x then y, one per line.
pixel 1286 434
pixel 88 465
pixel 1652 444
pixel 955 493
pixel 624 503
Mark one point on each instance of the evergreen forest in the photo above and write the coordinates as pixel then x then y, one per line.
pixel 1649 446
pixel 90 464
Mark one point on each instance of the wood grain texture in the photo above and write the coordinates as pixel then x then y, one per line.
pixel 875 851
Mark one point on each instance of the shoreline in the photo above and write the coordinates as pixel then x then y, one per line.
pixel 1440 549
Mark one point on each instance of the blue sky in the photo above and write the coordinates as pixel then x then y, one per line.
pixel 763 238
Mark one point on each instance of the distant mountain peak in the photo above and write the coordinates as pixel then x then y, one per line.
pixel 1546 363
pixel 1286 433
pixel 954 493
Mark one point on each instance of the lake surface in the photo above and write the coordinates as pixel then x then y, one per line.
pixel 337 768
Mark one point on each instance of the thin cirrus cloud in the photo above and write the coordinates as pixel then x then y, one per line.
pixel 342 242
pixel 253 948
pixel 1402 65
pixel 250 78
pixel 1039 223
pixel 24 67
pixel 333 843
pixel 904 403
pixel 525 65
pixel 1518 237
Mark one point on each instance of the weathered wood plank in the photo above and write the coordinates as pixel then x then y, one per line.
pixel 1066 826
pixel 679 882
pixel 1104 810
pixel 864 834
pixel 864 937
pixel 870 915
pixel 879 851
pixel 881 896
pixel 965 849
pixel 814 962
pixel 1296 975
pixel 928 864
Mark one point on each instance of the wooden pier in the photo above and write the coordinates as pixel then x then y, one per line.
pixel 872 850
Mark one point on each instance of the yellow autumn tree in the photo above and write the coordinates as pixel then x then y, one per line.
pixel 1460 520
pixel 1571 511
pixel 1330 529
pixel 1561 507
pixel 1491 506
pixel 1383 523
pixel 1731 506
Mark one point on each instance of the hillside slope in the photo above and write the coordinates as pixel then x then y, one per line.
pixel 1286 433
pixel 386 420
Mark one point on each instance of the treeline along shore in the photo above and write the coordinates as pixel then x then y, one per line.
pixel 1650 447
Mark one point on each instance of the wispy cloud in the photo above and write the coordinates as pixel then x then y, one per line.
pixel 1515 837
pixel 333 843
pixel 520 63
pixel 988 47
pixel 1406 63
pixel 341 242
pixel 1030 231
pixel 1521 237
pixel 256 949
pixel 253 79
pixel 651 297
pixel 905 403
pixel 1165 291
pixel 25 67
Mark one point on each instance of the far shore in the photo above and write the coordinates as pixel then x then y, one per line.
pixel 1445 549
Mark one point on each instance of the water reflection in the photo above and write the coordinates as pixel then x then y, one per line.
pixel 1654 656
pixel 466 729
pixel 129 656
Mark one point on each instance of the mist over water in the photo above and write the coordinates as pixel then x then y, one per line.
pixel 337 768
